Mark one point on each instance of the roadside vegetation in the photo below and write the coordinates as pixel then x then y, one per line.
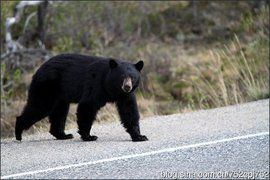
pixel 197 56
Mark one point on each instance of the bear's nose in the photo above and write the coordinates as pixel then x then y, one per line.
pixel 127 88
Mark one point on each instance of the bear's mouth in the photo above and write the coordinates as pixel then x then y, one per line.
pixel 127 85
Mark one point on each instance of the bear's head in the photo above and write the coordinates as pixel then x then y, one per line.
pixel 123 77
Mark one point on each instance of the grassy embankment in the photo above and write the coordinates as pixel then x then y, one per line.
pixel 186 69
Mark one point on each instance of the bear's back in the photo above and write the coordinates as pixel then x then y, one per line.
pixel 68 63
pixel 68 73
pixel 74 59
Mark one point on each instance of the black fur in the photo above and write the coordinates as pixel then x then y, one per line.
pixel 87 80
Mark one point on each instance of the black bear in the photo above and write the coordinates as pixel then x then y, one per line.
pixel 89 81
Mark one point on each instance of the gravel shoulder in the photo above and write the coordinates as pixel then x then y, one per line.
pixel 41 151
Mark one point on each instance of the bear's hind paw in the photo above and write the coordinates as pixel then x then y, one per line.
pixel 66 136
pixel 139 138
pixel 63 136
pixel 89 138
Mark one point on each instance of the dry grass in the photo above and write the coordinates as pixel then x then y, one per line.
pixel 236 74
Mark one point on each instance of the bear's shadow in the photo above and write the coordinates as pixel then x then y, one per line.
pixel 66 141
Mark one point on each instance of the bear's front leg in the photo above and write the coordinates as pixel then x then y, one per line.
pixel 86 114
pixel 129 115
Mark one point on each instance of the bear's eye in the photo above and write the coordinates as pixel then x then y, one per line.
pixel 132 78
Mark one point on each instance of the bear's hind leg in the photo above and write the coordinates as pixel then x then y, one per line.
pixel 30 116
pixel 86 114
pixel 58 120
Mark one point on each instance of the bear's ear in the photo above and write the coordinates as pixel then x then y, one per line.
pixel 139 65
pixel 113 64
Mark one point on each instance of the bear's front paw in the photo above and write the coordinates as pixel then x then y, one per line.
pixel 89 138
pixel 139 138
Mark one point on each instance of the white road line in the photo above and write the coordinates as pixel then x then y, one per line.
pixel 137 155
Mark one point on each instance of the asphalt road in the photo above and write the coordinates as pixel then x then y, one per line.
pixel 229 142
